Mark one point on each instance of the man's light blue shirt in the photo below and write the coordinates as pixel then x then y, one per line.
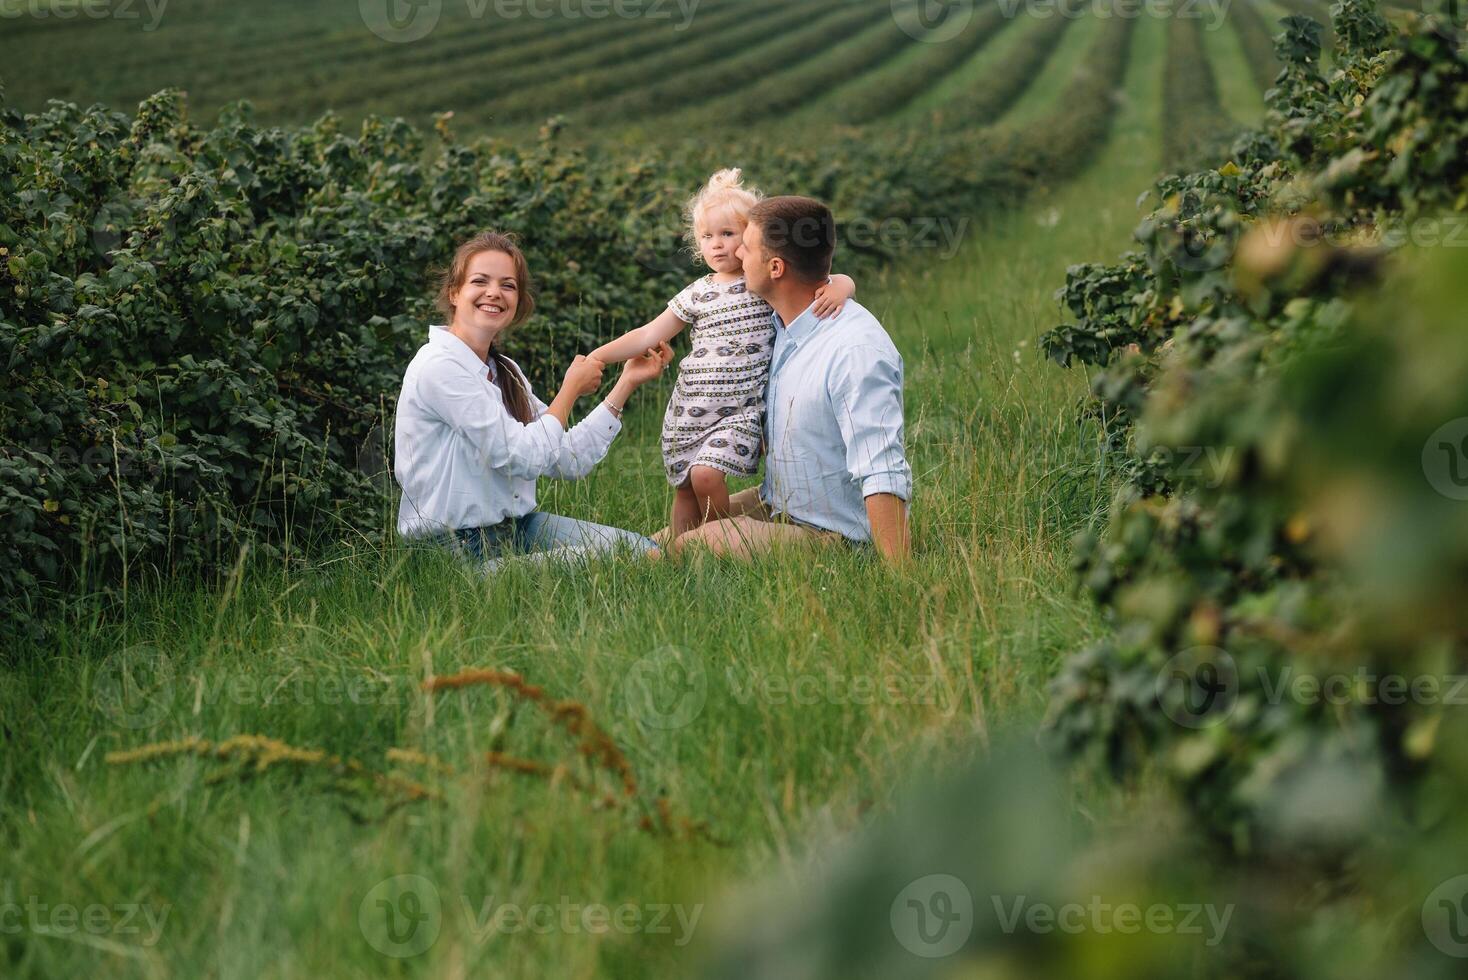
pixel 833 422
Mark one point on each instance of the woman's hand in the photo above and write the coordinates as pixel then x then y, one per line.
pixel 583 376
pixel 637 372
pixel 641 369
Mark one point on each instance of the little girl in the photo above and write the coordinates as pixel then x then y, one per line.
pixel 713 425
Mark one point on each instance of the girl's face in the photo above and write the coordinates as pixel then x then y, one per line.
pixel 489 295
pixel 719 234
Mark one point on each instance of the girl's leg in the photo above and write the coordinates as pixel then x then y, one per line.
pixel 711 488
pixel 686 512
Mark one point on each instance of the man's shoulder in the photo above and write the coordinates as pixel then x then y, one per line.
pixel 857 337
pixel 857 326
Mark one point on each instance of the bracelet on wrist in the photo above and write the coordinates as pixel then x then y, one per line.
pixel 616 412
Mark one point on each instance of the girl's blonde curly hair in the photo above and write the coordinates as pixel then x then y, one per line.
pixel 725 190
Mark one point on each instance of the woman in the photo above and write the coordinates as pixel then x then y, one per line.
pixel 471 437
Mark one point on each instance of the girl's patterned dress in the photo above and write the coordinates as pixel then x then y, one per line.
pixel 715 417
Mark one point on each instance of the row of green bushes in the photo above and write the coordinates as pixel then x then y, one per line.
pixel 656 94
pixel 1283 377
pixel 886 91
pixel 1256 41
pixel 1193 122
pixel 1012 74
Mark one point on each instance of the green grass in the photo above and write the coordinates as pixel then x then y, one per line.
pixel 267 876
pixel 1240 97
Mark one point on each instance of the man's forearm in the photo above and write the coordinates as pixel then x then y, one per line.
pixel 887 513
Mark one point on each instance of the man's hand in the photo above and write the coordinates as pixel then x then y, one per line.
pixel 887 514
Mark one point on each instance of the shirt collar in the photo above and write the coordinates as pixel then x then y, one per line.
pixel 441 337
pixel 803 324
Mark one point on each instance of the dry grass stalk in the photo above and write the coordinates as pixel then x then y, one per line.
pixel 592 742
pixel 413 757
pixel 573 716
pixel 254 754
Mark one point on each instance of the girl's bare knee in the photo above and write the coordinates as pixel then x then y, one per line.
pixel 706 481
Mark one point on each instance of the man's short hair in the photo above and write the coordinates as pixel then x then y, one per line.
pixel 800 230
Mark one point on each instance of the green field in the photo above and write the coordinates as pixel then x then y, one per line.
pixel 962 642
pixel 499 65
pixel 825 686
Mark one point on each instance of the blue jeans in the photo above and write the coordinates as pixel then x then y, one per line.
pixel 542 535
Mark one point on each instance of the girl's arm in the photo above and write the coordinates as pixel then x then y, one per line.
pixel 634 343
pixel 586 443
pixel 834 294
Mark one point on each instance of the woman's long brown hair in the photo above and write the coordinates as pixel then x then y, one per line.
pixel 511 384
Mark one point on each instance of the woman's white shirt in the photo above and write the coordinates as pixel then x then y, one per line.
pixel 462 459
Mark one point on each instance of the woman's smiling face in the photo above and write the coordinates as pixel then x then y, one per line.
pixel 490 294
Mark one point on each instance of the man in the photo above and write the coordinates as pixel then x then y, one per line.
pixel 835 470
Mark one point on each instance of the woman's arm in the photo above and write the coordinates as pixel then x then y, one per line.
pixel 664 327
pixel 637 372
pixel 587 444
pixel 566 397
pixel 582 378
pixel 504 443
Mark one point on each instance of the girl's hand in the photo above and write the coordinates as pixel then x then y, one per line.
pixel 643 368
pixel 583 376
pixel 831 297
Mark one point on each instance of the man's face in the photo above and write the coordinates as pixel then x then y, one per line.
pixel 752 257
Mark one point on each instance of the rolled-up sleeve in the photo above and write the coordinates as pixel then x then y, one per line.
pixel 866 398
pixel 586 444
pixel 477 413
